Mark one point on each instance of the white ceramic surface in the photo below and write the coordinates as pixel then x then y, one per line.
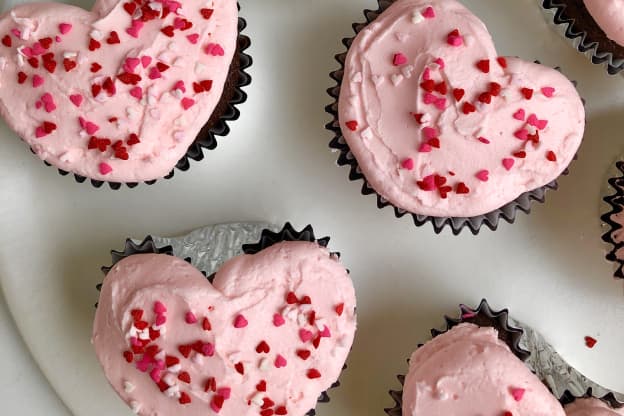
pixel 549 267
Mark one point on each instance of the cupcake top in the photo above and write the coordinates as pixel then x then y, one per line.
pixel 119 93
pixel 469 371
pixel 609 15
pixel 591 407
pixel 440 124
pixel 272 331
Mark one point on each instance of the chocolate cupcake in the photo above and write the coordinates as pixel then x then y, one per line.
pixel 614 221
pixel 474 366
pixel 593 27
pixel 268 333
pixel 439 126
pixel 124 93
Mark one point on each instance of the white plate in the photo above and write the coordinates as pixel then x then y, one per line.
pixel 549 267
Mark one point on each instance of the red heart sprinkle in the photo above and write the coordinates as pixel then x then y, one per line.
pixel 306 300
pixel 50 66
pixel 502 61
pixel 520 155
pixel 168 30
pixel 527 92
pixel 46 42
pixel 185 350
pixel 48 126
pixel 458 93
pixel 462 189
pixel 34 62
pixel 197 88
pixel 137 314
pixel 281 410
pixel 261 386
pixel 352 125
pixel 130 8
pixel 495 88
pixel 303 354
pixel 339 309
pixel 206 84
pixel 266 403
pixel 21 77
pixel 590 342
pixel 162 67
pixel 207 13
pixel 441 88
pixel 211 385
pixel 94 45
pixel 240 368
pixel 263 347
pixel 69 64
pixel 428 85
pixel 95 67
pixel 128 356
pixel 291 298
pixel 484 65
pixel 485 98
pixel 317 341
pixel 113 38
pixel 313 373
pixel 267 412
pixel 468 108
pixel 128 78
pixel 206 325
pixel 133 139
pixel 217 403
pixel 185 377
pixel 6 41
pixel 312 317
pixel 184 398
pixel 551 156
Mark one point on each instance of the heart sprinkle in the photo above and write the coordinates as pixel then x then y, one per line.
pixel 240 322
pixel 590 342
pixel 517 393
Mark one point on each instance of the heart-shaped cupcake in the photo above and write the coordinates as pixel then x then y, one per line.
pixel 117 94
pixel 440 125
pixel 267 337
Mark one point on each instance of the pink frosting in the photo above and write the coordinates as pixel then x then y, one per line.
pixel 150 93
pixel 469 371
pixel 591 407
pixel 293 351
pixel 609 14
pixel 440 125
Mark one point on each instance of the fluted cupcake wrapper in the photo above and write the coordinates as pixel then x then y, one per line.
pixel 568 17
pixel 609 399
pixel 483 316
pixel 615 201
pixel 225 111
pixel 267 239
pixel 491 220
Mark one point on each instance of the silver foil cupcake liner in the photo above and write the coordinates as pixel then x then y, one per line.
pixel 615 203
pixel 225 111
pixel 562 380
pixel 598 51
pixel 208 248
pixel 346 158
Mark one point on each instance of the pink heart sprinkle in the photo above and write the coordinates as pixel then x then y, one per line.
pixel 40 132
pixel 155 374
pixel 508 163
pixel 160 364
pixel 399 59
pixel 178 23
pixel 455 40
pixel 193 38
pixel 429 98
pixel 519 115
pixel 548 92
pixel 49 106
pixel 190 318
pixel 440 103
pixel 214 49
pixel 325 333
pixel 154 73
pixel 65 28
pixel 280 361
pixel 208 350
pixel 137 92
pixel 278 320
pixel 483 175
pixel 16 33
pixel 91 128
pixel 142 366
pixel 58 39
pixel 131 64
pixel 47 98
pixel 187 103
pixel 440 62
pixel 240 322
pixel 76 99
pixel 532 120
pixel 305 335
pixel 224 392
pixel 427 74
pixel 517 393
pixel 38 105
pixel 136 27
pixel 522 134
pixel 161 320
pixel 179 86
pixel 37 81
pixel 541 124
pixel 425 148
pixel 105 168
pixel 430 132
pixel 27 52
pixel 159 308
pixel 145 61
pixel 428 13
pixel 408 164
pixel 37 49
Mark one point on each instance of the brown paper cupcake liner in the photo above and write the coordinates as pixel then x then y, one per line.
pixel 267 239
pixel 483 316
pixel 580 28
pixel 616 206
pixel 346 158
pixel 225 111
